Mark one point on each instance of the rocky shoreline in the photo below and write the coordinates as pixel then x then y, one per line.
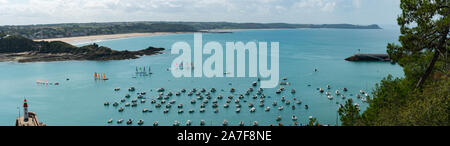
pixel 35 56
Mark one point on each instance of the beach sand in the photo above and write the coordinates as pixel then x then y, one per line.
pixel 97 38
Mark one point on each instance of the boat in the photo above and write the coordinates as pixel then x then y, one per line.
pixel 168 105
pixel 215 105
pixel 180 106
pixel 219 97
pixel 188 123
pixel 153 101
pixel 158 105
pixel 191 111
pixel 255 123
pixel 345 89
pixel 121 109
pixel 143 101
pixel 236 101
pixel 267 109
pixel 202 122
pixel 127 96
pixel 238 110
pixel 213 89
pixel 226 105
pixel 358 96
pixel 330 97
pixel 166 111
pixel 202 110
pixel 293 107
pixel 294 118
pixel 343 96
pixel 160 90
pixel 293 90
pixel 122 100
pixel 115 104
pixel 176 123
pixel 119 121
pixel 127 104
pixel 193 101
pixel 278 91
pixel 321 90
pixel 253 109
pixel 134 104
pixel 238 105
pixel 250 105
pixel 361 91
pixel 177 93
pixel 140 122
pixel 106 103
pixel 274 103
pixel 254 83
pixel 306 106
pixel 232 90
pixel 145 110
pixel 288 102
pixel 180 111
pixel 155 123
pixel 203 90
pixel 183 90
pixel 131 89
pixel 280 108
pixel 328 87
pixel 327 93
pixel 241 123
pixel 337 92
pixel 216 110
pixel 298 102
pixel 110 120
pixel 225 123
pixel 278 118
pixel 116 89
pixel 129 122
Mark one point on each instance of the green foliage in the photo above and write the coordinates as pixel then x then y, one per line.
pixel 84 29
pixel 349 113
pixel 422 96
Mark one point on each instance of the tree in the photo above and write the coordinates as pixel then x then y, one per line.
pixel 349 113
pixel 424 29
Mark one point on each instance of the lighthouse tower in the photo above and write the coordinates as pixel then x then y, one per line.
pixel 25 109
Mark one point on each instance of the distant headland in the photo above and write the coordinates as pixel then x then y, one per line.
pixel 21 49
pixel 50 31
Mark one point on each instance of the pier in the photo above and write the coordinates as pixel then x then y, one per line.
pixel 369 57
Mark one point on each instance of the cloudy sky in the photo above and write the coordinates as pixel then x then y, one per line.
pixel 18 12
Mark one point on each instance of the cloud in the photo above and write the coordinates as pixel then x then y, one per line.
pixel 323 5
pixel 66 11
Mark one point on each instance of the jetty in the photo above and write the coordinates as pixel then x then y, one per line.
pixel 369 57
pixel 29 118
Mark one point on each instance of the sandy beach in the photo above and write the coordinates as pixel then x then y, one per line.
pixel 97 38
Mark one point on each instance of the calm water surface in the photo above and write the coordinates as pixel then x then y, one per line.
pixel 79 101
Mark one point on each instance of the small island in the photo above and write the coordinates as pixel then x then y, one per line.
pixel 21 49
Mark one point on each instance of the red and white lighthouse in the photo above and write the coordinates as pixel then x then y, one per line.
pixel 25 109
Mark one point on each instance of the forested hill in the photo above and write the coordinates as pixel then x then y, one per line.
pixel 45 31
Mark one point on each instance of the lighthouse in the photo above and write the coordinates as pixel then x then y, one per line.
pixel 25 109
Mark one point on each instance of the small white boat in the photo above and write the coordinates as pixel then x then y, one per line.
pixel 176 123
pixel 280 108
pixel 155 123
pixel 191 111
pixel 321 90
pixel 121 109
pixel 253 109
pixel 294 118
pixel 330 97
pixel 119 121
pixel 145 110
pixel 267 109
pixel 255 123
pixel 110 120
pixel 116 89
pixel 129 122
pixel 241 123
pixel 188 123
pixel 337 92
pixel 238 110
pixel 202 110
pixel 274 103
pixel 328 87
pixel 216 110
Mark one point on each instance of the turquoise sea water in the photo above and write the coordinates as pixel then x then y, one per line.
pixel 79 101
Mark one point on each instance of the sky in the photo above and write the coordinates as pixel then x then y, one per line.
pixel 363 12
